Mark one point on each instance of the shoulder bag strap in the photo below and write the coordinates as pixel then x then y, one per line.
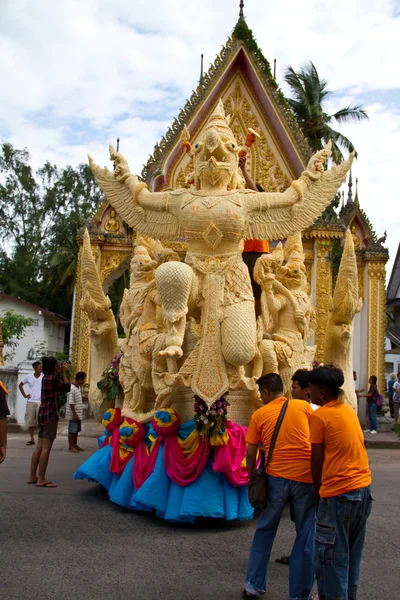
pixel 276 430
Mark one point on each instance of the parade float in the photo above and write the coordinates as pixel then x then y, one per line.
pixel 176 393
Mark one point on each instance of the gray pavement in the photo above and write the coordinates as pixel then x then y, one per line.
pixel 72 543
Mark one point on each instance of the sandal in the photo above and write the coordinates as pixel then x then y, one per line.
pixel 283 560
pixel 47 484
pixel 248 596
pixel 30 443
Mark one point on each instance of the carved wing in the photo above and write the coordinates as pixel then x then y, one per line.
pixel 148 214
pixel 278 218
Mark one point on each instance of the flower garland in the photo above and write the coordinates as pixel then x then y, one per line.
pixel 109 383
pixel 211 422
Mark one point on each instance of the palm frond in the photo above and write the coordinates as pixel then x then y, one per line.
pixel 350 113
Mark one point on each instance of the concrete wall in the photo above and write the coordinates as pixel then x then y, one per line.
pixel 9 376
pixel 44 331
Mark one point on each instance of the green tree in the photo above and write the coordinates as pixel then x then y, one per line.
pixel 13 326
pixel 40 216
pixel 309 95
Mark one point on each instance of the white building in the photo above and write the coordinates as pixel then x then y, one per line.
pixel 45 336
pixel 392 343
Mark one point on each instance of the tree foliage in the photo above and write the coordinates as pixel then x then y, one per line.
pixel 309 95
pixel 13 328
pixel 40 215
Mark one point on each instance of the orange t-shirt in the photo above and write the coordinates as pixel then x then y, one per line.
pixel 291 457
pixel 345 468
pixel 256 246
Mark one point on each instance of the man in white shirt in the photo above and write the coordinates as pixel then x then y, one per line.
pixel 74 412
pixel 33 397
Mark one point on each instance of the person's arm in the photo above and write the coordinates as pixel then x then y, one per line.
pixel 317 463
pixel 62 385
pixel 21 389
pixel 4 411
pixel 249 182
pixel 3 438
pixel 251 459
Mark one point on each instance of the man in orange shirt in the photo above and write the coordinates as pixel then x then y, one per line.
pixel 289 479
pixel 342 478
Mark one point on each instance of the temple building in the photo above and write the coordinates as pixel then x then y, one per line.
pixel 242 78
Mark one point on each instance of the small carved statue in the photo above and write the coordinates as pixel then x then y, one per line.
pixel 356 239
pixel 288 315
pixel 112 224
pixel 345 304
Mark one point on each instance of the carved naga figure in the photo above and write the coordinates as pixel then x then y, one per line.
pixel 213 217
pixel 344 305
pixel 288 316
pixel 102 326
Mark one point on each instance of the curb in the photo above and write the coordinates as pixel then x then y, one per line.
pixel 62 430
pixel 382 445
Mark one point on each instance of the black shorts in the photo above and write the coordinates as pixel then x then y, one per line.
pixel 48 431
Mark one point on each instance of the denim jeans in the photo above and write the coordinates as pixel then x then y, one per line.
pixel 373 421
pixel 301 569
pixel 339 542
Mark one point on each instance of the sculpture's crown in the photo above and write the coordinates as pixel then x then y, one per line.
pixel 218 120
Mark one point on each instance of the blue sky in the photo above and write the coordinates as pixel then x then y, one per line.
pixel 76 75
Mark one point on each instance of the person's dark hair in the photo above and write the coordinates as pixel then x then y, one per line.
pixel 329 377
pixel 36 364
pixel 374 379
pixel 49 365
pixel 354 374
pixel 271 382
pixel 302 376
pixel 80 375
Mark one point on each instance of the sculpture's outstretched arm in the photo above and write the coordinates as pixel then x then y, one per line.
pixel 274 216
pixel 146 212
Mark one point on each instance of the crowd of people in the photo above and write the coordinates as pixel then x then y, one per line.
pixel 41 390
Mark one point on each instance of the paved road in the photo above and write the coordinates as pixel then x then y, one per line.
pixel 72 543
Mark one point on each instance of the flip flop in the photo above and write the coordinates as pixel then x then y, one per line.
pixel 48 484
pixel 30 443
pixel 31 482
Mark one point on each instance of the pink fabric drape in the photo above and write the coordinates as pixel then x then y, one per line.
pixel 180 469
pixel 144 464
pixel 228 458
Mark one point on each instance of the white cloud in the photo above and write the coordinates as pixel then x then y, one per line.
pixel 75 75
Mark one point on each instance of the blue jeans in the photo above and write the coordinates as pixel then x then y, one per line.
pixel 339 542
pixel 301 569
pixel 373 421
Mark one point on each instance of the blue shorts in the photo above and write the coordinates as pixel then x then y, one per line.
pixel 75 426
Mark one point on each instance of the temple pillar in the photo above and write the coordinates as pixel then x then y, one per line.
pixel 323 291
pixel 376 274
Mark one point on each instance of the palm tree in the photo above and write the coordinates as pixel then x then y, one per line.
pixel 309 95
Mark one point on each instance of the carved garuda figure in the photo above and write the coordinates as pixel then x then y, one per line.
pixel 102 326
pixel 287 320
pixel 343 307
pixel 213 217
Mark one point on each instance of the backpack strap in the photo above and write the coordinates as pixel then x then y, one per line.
pixel 276 430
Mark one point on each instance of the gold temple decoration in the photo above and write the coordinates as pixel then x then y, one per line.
pixel 112 224
pixel 1 345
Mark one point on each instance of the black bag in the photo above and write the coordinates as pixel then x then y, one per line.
pixel 258 488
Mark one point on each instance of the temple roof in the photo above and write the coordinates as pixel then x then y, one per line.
pixel 240 53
